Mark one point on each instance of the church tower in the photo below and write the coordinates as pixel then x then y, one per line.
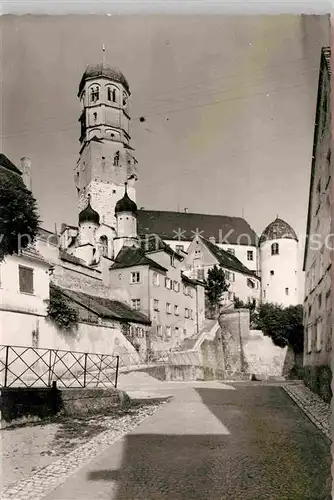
pixel 106 161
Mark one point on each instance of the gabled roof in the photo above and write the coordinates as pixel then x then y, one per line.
pixel 105 308
pixel 153 243
pixel 227 260
pixel 325 67
pixel 133 256
pixel 8 165
pixel 183 226
pixel 48 236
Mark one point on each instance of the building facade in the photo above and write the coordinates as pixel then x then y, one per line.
pixel 318 319
pixel 203 254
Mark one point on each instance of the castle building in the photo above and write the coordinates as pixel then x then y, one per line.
pixel 278 247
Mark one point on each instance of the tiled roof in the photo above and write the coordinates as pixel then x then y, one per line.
pixel 191 281
pixel 105 308
pixel 227 260
pixel 278 229
pixel 102 69
pixel 48 236
pixel 6 163
pixel 153 243
pixel 133 256
pixel 168 225
pixel 31 251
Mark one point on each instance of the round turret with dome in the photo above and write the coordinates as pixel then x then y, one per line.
pixel 279 263
pixel 126 220
pixel 89 221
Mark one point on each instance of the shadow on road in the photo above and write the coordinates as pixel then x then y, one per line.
pixel 272 452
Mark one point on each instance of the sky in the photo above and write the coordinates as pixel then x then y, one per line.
pixel 229 106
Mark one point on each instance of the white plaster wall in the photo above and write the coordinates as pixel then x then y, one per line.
pixel 285 267
pixel 10 295
pixel 17 330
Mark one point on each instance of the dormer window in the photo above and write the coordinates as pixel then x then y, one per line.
pixel 95 94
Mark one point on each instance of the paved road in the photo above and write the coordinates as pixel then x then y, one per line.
pixel 242 441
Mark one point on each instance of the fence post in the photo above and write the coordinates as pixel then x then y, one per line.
pixel 50 377
pixel 117 367
pixel 85 369
pixel 6 365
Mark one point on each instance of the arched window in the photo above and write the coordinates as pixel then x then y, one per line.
pixel 116 159
pixel 125 99
pixel 275 249
pixel 94 93
pixel 104 246
pixel 111 94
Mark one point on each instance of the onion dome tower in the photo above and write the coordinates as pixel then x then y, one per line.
pixel 126 217
pixel 279 263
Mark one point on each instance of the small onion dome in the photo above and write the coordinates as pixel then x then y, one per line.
pixel 125 204
pixel 88 214
pixel 102 69
pixel 278 229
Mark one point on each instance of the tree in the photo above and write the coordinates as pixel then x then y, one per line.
pixel 215 286
pixel 283 325
pixel 60 312
pixel 251 305
pixel 19 219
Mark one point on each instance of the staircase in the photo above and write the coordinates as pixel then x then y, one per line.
pixel 207 332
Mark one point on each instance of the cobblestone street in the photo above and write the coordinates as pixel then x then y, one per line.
pixel 214 441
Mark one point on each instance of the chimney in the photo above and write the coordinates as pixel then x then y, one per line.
pixel 212 239
pixel 26 171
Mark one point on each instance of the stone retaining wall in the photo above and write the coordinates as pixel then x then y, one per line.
pixel 319 380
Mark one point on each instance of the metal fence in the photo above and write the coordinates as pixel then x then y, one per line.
pixel 37 367
pixel 129 360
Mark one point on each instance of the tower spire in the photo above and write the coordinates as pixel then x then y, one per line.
pixel 103 54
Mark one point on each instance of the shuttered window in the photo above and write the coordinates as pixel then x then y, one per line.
pixel 26 279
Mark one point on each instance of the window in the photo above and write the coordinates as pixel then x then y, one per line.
pixel 286 291
pixel 200 274
pixel 111 94
pixel 135 304
pixel 26 279
pixel 156 305
pixel 125 99
pixel 168 283
pixel 104 246
pixel 249 254
pixel 179 248
pixel 319 335
pixel 272 273
pixel 184 332
pixel 172 260
pixel 191 314
pixel 94 94
pixel 168 332
pixel 176 286
pixel 156 279
pixel 185 289
pixel 322 262
pixel 275 249
pixel 135 277
pixel 186 313
pixel 176 310
pixel 328 165
pixel 309 338
pixel 176 331
pixel 230 295
pixel 264 295
pixel 140 331
pixel 116 159
pixel 95 116
pixel 159 330
pixel 319 300
pixel 231 251
pixel 250 283
pixel 168 308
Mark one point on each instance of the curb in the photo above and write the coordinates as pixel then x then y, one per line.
pixel 308 410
